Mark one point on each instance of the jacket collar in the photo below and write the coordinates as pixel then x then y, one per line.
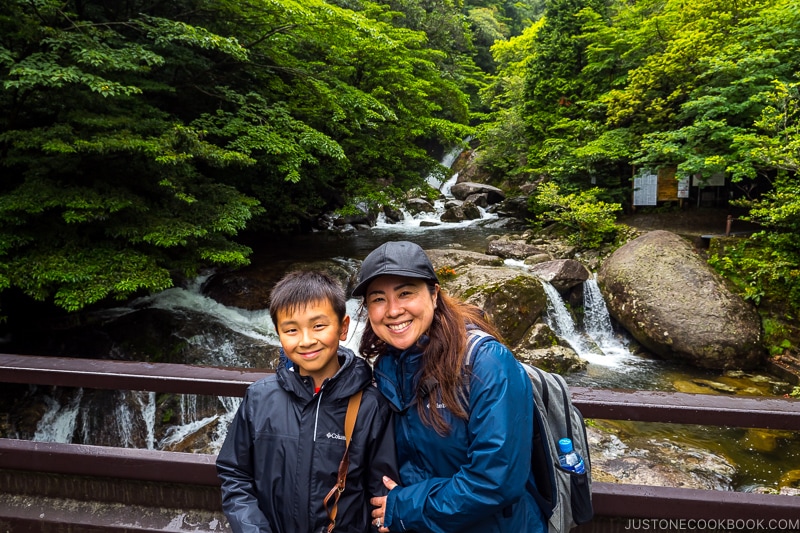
pixel 353 375
pixel 397 373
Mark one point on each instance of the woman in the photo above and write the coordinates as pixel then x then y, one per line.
pixel 463 433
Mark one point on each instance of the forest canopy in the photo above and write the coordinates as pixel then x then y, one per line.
pixel 139 139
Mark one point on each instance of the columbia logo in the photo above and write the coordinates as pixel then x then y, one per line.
pixel 335 436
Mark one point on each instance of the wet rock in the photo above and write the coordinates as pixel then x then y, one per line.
pixel 465 211
pixel 516 207
pixel 558 359
pixel 513 300
pixel 563 274
pixel 458 259
pixel 393 215
pixel 464 190
pixel 512 249
pixel 419 205
pixel 674 304
pixel 537 258
pixel 480 199
pixel 658 462
pixel 540 335
pixel 766 440
pixel 715 385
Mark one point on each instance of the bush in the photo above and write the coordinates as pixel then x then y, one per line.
pixel 589 221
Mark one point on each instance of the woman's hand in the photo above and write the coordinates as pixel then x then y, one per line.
pixel 380 506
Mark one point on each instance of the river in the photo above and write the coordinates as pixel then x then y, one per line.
pixel 761 459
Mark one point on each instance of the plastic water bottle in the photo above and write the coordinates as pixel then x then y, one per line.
pixel 569 459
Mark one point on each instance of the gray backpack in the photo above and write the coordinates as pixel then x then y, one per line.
pixel 564 497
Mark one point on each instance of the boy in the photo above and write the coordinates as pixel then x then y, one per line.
pixel 282 452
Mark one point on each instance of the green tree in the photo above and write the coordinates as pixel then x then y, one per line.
pixel 138 139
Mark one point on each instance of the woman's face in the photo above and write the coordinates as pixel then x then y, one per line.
pixel 400 309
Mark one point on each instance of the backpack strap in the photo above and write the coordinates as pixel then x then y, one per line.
pixel 475 337
pixel 545 391
pixel 567 409
pixel 344 465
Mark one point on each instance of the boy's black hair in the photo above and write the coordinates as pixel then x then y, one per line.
pixel 302 287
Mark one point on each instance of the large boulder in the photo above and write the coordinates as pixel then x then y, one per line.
pixel 446 258
pixel 465 189
pixel 672 302
pixel 512 249
pixel 513 299
pixel 563 274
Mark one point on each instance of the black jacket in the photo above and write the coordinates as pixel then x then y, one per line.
pixel 283 448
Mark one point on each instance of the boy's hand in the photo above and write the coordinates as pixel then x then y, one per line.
pixel 380 506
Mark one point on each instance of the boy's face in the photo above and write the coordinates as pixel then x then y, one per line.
pixel 310 337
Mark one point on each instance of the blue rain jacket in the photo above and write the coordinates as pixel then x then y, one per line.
pixel 473 479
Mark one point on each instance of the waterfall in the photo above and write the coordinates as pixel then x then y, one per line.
pixel 147 406
pixel 561 322
pixel 59 421
pixel 431 221
pixel 597 322
pixel 230 405
pixel 597 343
pixel 447 161
pixel 124 420
pixel 190 424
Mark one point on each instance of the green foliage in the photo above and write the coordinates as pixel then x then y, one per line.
pixel 139 139
pixel 588 221
pixel 765 266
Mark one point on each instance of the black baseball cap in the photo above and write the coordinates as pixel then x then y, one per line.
pixel 398 258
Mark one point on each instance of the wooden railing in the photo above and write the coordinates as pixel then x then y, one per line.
pixel 71 487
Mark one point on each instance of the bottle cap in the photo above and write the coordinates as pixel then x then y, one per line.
pixel 565 445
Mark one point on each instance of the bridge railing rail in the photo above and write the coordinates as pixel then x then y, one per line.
pixel 177 491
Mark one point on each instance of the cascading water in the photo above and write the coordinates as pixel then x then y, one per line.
pixel 561 322
pixel 598 344
pixel 59 421
pixel 433 220
pixel 147 406
pixel 598 326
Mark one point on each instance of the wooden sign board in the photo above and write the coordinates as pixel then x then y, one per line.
pixel 667 185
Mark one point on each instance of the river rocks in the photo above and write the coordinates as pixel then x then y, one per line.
pixel 458 213
pixel 419 205
pixel 563 274
pixel 464 190
pixel 656 461
pixel 514 300
pixel 558 359
pixel 675 305
pixel 516 207
pixel 513 249
pixel 456 259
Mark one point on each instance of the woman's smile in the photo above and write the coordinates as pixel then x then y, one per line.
pixel 400 308
pixel 399 327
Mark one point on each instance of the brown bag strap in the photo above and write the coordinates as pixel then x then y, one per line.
pixel 344 465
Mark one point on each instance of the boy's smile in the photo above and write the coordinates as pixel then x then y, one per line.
pixel 310 338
